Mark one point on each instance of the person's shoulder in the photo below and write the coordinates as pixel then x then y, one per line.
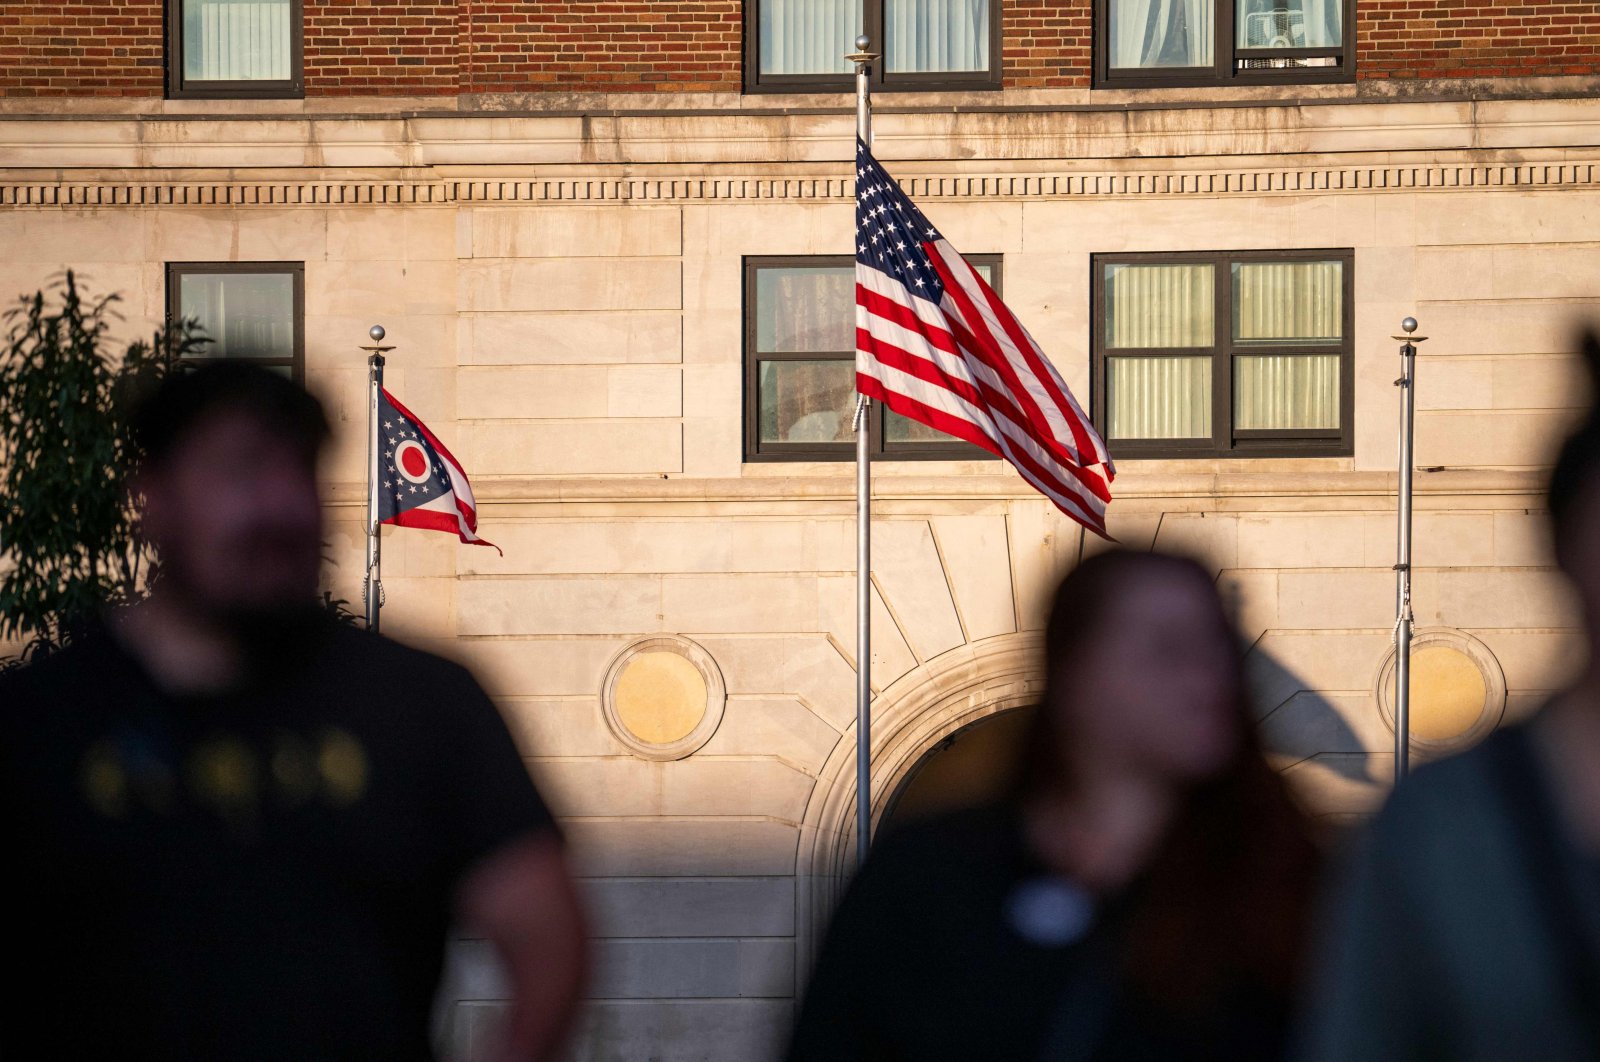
pixel 988 836
pixel 1424 818
pixel 350 645
pixel 81 661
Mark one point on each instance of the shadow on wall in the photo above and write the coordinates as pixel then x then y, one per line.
pixel 1326 744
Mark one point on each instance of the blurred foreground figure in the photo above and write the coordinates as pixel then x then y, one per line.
pixel 1143 894
pixel 236 829
pixel 1467 925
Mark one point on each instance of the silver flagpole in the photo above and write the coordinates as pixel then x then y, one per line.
pixel 372 588
pixel 863 60
pixel 1402 568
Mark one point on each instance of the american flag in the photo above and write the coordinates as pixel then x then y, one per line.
pixel 419 483
pixel 936 344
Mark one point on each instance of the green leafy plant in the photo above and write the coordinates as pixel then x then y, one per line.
pixel 69 534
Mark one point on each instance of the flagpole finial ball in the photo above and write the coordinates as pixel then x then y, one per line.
pixel 1409 325
pixel 862 42
pixel 377 333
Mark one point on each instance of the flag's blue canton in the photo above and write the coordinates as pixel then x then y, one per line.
pixel 400 491
pixel 890 230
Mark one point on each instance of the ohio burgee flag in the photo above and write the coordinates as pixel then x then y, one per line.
pixel 936 344
pixel 419 483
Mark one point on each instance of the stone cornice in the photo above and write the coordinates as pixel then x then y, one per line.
pixel 243 191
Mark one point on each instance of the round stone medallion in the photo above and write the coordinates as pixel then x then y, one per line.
pixel 663 697
pixel 1458 692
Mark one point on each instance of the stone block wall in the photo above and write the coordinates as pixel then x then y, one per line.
pixel 582 357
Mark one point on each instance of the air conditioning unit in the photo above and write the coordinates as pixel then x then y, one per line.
pixel 1275 29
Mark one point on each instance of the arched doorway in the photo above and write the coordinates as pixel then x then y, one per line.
pixel 972 766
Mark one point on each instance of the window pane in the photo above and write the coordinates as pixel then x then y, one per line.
pixel 807 401
pixel 1151 34
pixel 899 429
pixel 1160 306
pixel 1288 302
pixel 1158 398
pixel 1291 23
pixel 236 40
pixel 244 315
pixel 936 35
pixel 1286 391
pixel 808 36
pixel 804 309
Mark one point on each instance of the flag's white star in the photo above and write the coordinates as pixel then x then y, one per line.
pixel 919 282
pixel 413 489
pixel 424 488
pixel 388 424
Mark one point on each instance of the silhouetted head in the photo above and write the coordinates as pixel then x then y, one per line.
pixel 1142 672
pixel 1575 497
pixel 229 480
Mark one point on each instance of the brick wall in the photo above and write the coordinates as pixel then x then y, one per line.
pixel 1475 38
pixel 381 47
pixel 420 47
pixel 603 45
pixel 81 48
pixel 1047 43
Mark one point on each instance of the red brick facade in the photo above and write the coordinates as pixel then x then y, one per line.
pixel 1047 43
pixel 81 48
pixel 380 48
pixel 1476 38
pixel 445 47
pixel 608 46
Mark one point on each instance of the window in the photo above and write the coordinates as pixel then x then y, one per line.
pixel 1148 43
pixel 800 375
pixel 229 49
pixel 1205 355
pixel 800 45
pixel 252 310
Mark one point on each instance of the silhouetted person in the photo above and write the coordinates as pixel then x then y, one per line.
pixel 237 829
pixel 1467 924
pixel 1142 896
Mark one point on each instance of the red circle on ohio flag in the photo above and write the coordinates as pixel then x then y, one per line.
pixel 412 461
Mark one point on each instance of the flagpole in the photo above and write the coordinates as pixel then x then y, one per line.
pixel 1402 567
pixel 372 588
pixel 863 60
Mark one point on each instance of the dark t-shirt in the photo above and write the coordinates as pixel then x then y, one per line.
pixel 268 874
pixel 942 952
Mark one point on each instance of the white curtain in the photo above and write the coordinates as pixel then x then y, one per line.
pixel 236 40
pixel 808 36
pixel 1162 33
pixel 1288 302
pixel 1158 398
pixel 1281 391
pixel 1160 306
pixel 936 35
pixel 1290 23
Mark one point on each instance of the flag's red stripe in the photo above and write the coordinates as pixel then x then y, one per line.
pixel 998 409
pixel 1044 372
pixel 1011 446
pixel 1038 477
pixel 434 520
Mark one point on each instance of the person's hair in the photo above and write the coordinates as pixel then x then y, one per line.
pixel 1578 463
pixel 1225 902
pixel 186 396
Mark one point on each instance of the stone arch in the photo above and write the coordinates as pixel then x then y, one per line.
pixel 911 716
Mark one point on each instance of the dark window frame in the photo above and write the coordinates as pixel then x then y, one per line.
pixel 180 88
pixel 1224 70
pixel 880 79
pixel 1225 440
pixel 296 362
pixel 756 452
